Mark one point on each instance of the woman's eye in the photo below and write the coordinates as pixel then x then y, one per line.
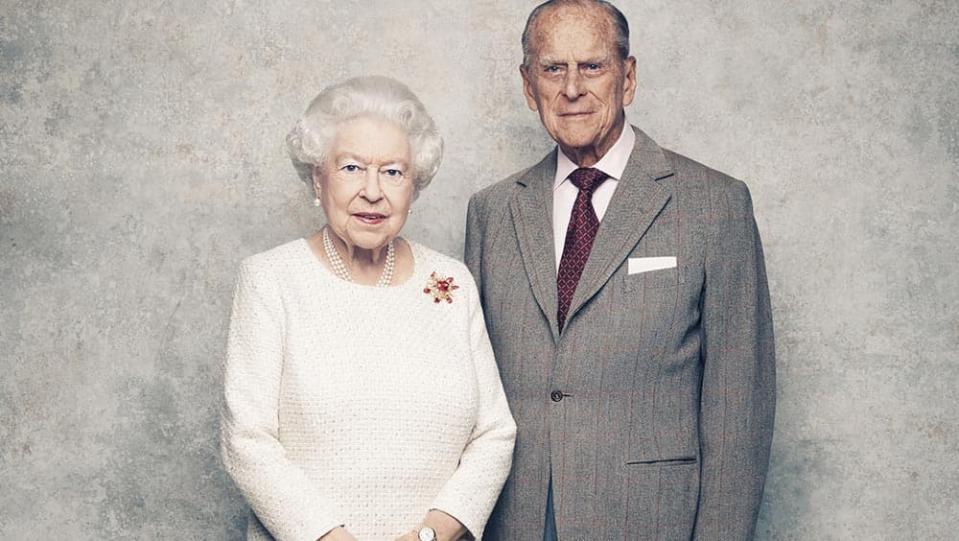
pixel 350 168
pixel 394 172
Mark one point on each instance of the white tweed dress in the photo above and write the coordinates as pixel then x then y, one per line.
pixel 360 406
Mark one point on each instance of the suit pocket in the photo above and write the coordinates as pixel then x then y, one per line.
pixel 654 279
pixel 663 462
pixel 662 498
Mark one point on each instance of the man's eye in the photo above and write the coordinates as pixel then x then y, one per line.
pixel 552 69
pixel 593 67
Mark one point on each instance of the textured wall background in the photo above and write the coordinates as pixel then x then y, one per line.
pixel 141 158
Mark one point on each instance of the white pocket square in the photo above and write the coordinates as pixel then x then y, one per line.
pixel 637 265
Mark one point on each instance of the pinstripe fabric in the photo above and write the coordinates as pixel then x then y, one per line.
pixel 667 377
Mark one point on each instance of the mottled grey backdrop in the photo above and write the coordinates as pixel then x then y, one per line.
pixel 141 158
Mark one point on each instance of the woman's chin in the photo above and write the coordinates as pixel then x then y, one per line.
pixel 369 240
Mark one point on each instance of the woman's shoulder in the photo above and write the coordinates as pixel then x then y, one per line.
pixel 282 259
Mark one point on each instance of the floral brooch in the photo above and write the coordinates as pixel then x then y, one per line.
pixel 440 288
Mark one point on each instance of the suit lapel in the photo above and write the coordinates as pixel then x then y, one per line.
pixel 532 210
pixel 637 201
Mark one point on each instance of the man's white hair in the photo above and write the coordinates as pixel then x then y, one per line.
pixel 375 96
pixel 616 19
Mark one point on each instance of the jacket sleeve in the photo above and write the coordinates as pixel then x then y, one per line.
pixel 281 495
pixel 739 370
pixel 473 252
pixel 471 492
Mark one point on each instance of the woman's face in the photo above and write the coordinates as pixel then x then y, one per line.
pixel 366 183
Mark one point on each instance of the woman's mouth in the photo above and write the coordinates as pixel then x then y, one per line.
pixel 370 218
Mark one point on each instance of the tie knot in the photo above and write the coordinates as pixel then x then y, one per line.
pixel 587 179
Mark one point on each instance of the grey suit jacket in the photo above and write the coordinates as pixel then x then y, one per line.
pixel 654 407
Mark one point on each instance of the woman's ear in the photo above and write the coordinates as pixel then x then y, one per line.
pixel 317 185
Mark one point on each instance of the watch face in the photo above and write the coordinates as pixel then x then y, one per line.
pixel 427 534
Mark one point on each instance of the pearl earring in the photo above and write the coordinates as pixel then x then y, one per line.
pixel 410 211
pixel 316 201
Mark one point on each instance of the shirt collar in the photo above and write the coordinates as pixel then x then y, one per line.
pixel 613 163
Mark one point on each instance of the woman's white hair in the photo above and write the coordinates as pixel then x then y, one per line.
pixel 377 96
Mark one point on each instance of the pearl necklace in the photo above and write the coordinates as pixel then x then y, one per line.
pixel 339 268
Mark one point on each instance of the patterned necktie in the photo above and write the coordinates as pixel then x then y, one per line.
pixel 583 224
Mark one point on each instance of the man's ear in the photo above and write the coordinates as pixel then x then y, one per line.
pixel 528 88
pixel 629 84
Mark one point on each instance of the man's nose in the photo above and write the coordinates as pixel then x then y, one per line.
pixel 572 84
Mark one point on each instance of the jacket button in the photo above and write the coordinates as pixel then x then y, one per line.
pixel 556 396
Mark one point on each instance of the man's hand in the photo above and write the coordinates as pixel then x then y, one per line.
pixel 338 534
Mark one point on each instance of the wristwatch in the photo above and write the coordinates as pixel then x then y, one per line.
pixel 427 534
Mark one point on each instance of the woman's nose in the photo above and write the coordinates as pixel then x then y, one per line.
pixel 371 190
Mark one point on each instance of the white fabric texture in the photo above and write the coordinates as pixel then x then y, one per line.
pixel 359 406
pixel 613 163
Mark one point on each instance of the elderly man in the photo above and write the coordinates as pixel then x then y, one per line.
pixel 626 299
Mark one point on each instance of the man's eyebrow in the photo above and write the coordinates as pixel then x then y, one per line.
pixel 596 60
pixel 546 61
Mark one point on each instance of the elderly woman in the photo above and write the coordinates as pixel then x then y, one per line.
pixel 362 397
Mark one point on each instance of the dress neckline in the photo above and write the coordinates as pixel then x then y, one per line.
pixel 414 253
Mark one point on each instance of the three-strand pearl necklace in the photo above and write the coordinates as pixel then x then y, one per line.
pixel 340 269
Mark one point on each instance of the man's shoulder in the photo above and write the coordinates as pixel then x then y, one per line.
pixel 685 175
pixel 687 168
pixel 503 186
pixel 498 194
pixel 719 188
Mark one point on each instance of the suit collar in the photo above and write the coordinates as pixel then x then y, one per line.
pixel 638 199
pixel 532 210
pixel 536 175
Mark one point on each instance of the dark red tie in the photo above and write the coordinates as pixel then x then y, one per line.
pixel 583 224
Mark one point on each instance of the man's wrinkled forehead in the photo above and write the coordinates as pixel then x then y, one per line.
pixel 565 22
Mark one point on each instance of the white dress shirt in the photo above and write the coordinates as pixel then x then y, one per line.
pixel 613 163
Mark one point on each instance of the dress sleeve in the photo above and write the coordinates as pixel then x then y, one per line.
pixel 281 495
pixel 471 492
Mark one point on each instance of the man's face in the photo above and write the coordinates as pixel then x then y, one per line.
pixel 577 82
